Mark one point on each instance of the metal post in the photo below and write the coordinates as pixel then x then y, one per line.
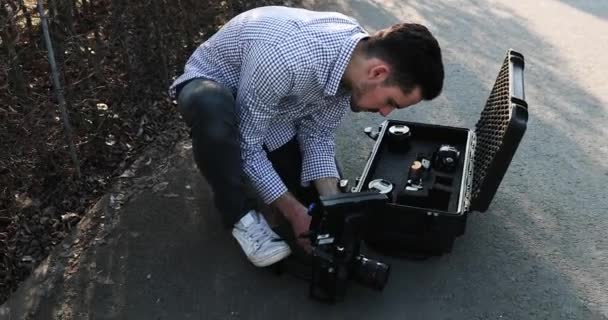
pixel 58 91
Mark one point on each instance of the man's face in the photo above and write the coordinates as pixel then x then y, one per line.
pixel 371 96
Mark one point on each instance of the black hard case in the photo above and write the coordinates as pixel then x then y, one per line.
pixel 430 228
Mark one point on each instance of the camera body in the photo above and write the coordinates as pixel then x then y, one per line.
pixel 336 233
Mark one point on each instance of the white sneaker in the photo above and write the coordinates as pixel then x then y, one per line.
pixel 261 245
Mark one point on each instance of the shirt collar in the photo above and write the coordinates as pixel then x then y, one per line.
pixel 336 73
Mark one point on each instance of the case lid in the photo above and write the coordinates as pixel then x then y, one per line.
pixel 499 130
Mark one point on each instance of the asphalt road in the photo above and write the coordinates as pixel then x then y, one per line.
pixel 540 252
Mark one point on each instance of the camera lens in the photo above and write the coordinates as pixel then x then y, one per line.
pixel 381 185
pixel 447 158
pixel 371 273
pixel 399 138
pixel 399 130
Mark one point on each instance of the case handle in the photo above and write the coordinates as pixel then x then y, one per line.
pixel 517 74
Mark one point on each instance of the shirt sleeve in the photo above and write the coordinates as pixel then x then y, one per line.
pixel 316 135
pixel 265 79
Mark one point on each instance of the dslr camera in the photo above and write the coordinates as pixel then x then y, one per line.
pixel 337 225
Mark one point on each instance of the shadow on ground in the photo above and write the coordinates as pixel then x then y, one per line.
pixel 594 7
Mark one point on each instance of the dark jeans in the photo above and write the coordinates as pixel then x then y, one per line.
pixel 209 110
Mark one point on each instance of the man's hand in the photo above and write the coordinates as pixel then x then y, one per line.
pixel 298 217
pixel 300 223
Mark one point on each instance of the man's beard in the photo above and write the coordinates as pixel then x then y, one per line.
pixel 353 104
pixel 357 93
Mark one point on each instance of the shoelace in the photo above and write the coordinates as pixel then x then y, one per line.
pixel 260 235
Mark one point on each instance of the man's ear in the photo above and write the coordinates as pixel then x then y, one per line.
pixel 378 72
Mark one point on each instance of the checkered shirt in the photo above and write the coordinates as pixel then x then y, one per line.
pixel 284 66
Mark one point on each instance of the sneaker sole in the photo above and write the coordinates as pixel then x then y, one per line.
pixel 276 257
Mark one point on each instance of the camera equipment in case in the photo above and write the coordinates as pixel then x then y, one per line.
pixel 439 174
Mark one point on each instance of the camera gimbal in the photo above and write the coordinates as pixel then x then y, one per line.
pixel 335 232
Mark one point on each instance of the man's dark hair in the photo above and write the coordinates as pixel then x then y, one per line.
pixel 414 56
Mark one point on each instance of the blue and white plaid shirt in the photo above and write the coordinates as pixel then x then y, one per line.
pixel 284 65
